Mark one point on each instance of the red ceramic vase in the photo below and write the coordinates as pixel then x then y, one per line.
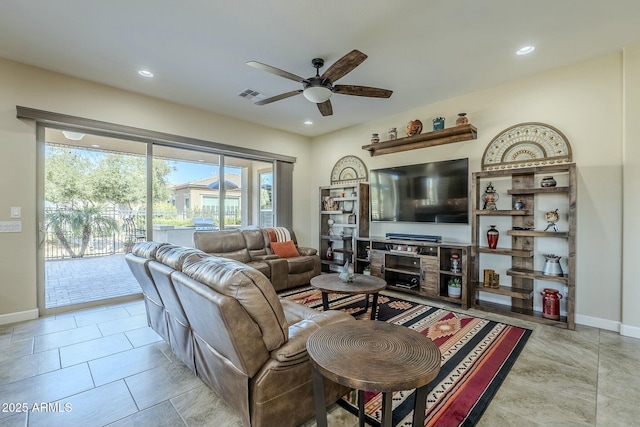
pixel 492 237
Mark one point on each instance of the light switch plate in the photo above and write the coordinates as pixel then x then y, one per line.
pixel 10 226
pixel 16 212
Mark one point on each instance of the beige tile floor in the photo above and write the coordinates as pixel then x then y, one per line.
pixel 104 367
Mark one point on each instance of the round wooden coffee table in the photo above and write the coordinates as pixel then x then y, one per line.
pixel 362 284
pixel 373 356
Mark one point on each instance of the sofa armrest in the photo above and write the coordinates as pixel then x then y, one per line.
pixel 310 320
pixel 279 272
pixel 307 251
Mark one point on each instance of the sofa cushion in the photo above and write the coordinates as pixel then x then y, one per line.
pixel 174 256
pixel 147 249
pixel 226 243
pixel 285 249
pixel 250 288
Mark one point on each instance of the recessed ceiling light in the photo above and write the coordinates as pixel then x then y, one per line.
pixel 145 73
pixel 308 122
pixel 74 136
pixel 525 50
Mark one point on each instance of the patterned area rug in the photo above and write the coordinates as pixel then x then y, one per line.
pixel 477 354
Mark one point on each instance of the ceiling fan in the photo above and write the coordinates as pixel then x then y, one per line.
pixel 319 88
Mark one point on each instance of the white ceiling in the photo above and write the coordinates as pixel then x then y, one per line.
pixel 423 50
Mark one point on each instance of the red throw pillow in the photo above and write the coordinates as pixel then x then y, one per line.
pixel 285 249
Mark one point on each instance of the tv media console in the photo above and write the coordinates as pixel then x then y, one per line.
pixel 419 267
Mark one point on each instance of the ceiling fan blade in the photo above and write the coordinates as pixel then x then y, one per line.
pixel 325 108
pixel 344 65
pixel 372 92
pixel 279 97
pixel 276 71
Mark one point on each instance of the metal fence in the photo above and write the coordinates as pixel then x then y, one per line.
pixel 129 228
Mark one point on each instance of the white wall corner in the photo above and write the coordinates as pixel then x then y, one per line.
pixel 609 325
pixel 18 316
pixel 630 331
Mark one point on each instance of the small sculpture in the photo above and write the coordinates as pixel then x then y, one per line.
pixel 552 218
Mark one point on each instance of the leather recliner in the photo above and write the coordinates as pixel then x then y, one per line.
pixel 250 347
pixel 138 259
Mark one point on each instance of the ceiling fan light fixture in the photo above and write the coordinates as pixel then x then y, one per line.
pixel 317 94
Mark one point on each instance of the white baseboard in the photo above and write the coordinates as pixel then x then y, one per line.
pixel 18 317
pixel 630 331
pixel 609 325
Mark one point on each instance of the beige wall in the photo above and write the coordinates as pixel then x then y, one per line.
pixel 631 221
pixel 35 88
pixel 583 101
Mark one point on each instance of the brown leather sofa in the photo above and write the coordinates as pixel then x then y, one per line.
pixel 252 246
pixel 241 339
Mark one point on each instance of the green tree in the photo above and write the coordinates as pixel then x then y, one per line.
pixel 83 222
pixel 83 181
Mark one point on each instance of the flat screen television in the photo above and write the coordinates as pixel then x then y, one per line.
pixel 428 192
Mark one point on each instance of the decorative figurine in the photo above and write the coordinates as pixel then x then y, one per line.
pixel 330 222
pixel 455 263
pixel 490 197
pixel 552 218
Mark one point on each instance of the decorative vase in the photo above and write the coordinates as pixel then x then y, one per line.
pixel 414 127
pixel 462 119
pixel 518 205
pixel 330 252
pixel 393 134
pixel 552 265
pixel 551 303
pixel 438 123
pixel 548 181
pixel 492 237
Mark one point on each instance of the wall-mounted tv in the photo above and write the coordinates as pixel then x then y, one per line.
pixel 428 192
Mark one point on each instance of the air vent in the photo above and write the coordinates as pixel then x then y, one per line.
pixel 251 95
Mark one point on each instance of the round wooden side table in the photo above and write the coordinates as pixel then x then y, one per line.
pixel 373 356
pixel 362 284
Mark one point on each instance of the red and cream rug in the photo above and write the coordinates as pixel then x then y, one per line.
pixel 477 355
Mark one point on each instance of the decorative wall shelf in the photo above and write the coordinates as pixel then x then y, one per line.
pixel 429 139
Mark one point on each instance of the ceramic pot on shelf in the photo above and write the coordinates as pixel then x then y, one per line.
pixel 492 237
pixel 551 303
pixel 462 119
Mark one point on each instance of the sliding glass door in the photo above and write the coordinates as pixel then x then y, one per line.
pixel 100 193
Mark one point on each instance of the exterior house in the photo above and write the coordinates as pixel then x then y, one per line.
pixel 202 196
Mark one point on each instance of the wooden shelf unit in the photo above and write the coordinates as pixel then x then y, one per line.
pixel 429 139
pixel 422 268
pixel 525 185
pixel 352 202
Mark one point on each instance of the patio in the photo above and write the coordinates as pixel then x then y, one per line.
pixel 80 280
